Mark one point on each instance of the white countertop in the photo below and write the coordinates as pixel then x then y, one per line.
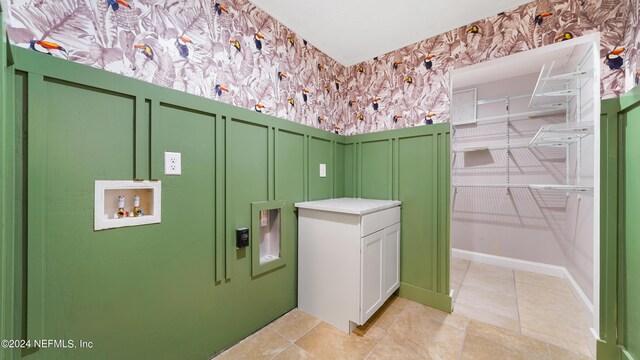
pixel 349 205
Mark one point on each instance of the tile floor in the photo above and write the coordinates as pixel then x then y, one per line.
pixel 498 313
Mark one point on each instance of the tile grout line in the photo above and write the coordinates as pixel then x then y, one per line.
pixel 515 287
pixel 464 340
pixel 387 331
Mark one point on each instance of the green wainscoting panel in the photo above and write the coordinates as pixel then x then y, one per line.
pixel 410 165
pixel 339 168
pixel 620 232
pixel 174 290
pixel 629 237
pixel 10 204
pixel 606 347
pixel 320 152
pixel 417 188
pixel 350 170
pixel 375 169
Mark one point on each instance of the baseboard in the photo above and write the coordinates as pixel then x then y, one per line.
pixel 524 265
pixel 425 296
pixel 531 266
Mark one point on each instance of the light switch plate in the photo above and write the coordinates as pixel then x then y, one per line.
pixel 323 170
pixel 172 163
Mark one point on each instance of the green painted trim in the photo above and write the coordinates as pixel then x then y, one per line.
pixel 625 355
pixel 9 217
pixel 306 170
pixel 142 139
pixel 154 147
pixel 256 267
pixel 271 163
pixel 37 137
pixel 221 191
pixel 604 351
pixel 629 99
pixel 390 175
pixel 444 219
pixel 430 298
pixel 435 230
pixel 395 183
pixel 399 133
pixel 609 127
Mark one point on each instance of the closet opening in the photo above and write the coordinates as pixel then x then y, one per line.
pixel 524 192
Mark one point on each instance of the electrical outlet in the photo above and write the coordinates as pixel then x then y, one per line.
pixel 172 163
pixel 323 170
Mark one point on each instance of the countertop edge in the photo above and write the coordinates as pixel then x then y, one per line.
pixel 305 205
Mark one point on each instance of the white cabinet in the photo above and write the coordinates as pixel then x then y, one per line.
pixel 348 258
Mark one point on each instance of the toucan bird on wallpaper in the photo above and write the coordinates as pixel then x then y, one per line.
pixel 428 63
pixel 257 39
pixel 614 60
pixel 219 89
pixel 540 17
pixel 115 4
pixel 146 50
pixel 44 47
pixel 220 9
pixel 181 45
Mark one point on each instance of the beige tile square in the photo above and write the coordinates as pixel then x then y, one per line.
pixel 294 352
pixel 265 344
pixel 489 300
pixel 492 278
pixel 543 281
pixel 372 332
pixel 491 271
pixel 455 320
pixel 558 353
pixel 398 301
pixel 294 324
pixel 327 342
pixel 484 341
pixel 478 314
pixel 550 299
pixel 395 347
pixel 427 337
pixel 384 317
pixel 459 263
pixel 557 341
pixel 555 327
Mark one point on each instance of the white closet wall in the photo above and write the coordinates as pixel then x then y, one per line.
pixel 527 224
pixel 497 209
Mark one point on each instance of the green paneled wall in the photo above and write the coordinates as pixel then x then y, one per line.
pixel 178 289
pixel 629 294
pixel 620 233
pixel 321 152
pixel 411 165
pixel 10 218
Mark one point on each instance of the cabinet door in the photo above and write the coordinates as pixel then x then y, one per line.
pixel 391 260
pixel 371 275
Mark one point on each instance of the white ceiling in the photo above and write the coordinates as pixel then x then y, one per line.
pixel 351 31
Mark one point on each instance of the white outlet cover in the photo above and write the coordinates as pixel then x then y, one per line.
pixel 172 163
pixel 323 170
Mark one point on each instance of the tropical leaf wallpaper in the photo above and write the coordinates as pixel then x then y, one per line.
pixel 412 84
pixel 226 50
pixel 231 51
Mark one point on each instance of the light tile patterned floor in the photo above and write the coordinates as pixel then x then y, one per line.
pixel 499 313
